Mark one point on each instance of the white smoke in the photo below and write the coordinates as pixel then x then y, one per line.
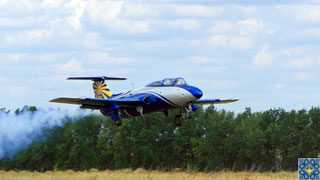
pixel 17 132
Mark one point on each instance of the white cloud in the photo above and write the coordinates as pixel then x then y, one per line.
pixel 197 10
pixel 221 27
pixel 309 13
pixel 3 80
pixel 222 84
pixel 127 26
pixel 202 59
pixel 214 69
pixel 219 41
pixel 244 27
pixel 73 67
pixel 279 86
pixel 138 11
pixel 103 59
pixel 250 26
pixel 28 58
pixel 236 42
pixel 28 37
pixel 3 2
pixel 302 62
pixel 14 91
pixel 305 76
pixel 264 58
pixel 107 13
pixel 241 42
pixel 78 7
pixel 52 4
pixel 240 35
pixel 186 24
pixel 103 11
pixel 249 10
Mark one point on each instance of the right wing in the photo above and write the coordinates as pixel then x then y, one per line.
pixel 94 103
pixel 215 101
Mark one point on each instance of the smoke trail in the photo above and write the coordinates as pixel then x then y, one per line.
pixel 17 132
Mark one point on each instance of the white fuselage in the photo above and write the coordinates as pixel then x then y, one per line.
pixel 175 96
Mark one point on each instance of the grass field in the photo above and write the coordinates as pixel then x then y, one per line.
pixel 143 175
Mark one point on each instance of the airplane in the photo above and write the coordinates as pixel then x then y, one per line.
pixel 158 96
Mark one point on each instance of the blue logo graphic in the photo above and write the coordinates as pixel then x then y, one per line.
pixel 309 168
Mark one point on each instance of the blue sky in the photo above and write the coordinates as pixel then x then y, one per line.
pixel 264 52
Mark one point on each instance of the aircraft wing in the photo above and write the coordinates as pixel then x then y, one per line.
pixel 215 101
pixel 94 103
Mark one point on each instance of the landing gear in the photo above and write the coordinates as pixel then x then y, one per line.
pixel 178 120
pixel 116 118
pixel 185 112
pixel 118 123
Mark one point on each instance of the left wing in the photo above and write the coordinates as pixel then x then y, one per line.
pixel 215 101
pixel 94 103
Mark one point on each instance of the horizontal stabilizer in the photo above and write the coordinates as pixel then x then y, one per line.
pixel 101 78
pixel 215 101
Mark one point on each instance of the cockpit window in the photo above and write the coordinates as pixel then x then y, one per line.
pixel 180 82
pixel 157 83
pixel 168 82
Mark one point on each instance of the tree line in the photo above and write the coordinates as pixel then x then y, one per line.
pixel 212 140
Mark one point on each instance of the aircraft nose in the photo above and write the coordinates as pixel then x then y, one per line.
pixel 196 92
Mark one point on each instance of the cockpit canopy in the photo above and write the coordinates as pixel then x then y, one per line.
pixel 168 82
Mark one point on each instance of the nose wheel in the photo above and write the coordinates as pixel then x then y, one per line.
pixel 185 112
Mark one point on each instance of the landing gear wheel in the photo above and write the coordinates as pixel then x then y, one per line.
pixel 189 114
pixel 177 120
pixel 118 123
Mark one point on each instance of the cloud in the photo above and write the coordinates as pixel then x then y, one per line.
pixel 264 58
pixel 103 11
pixel 107 13
pixel 196 10
pixel 305 76
pixel 250 26
pixel 242 42
pixel 307 13
pixel 104 59
pixel 52 4
pixel 139 11
pixel 186 24
pixel 203 60
pixel 73 67
pixel 303 62
pixel 239 35
pixel 78 7
pixel 28 37
pixel 235 42
pixel 219 41
pixel 279 86
pixel 214 69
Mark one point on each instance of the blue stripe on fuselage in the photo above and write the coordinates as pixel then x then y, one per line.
pixel 156 105
pixel 163 97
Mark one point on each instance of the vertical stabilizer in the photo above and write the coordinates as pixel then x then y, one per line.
pixel 101 90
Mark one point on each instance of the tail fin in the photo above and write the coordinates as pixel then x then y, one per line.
pixel 101 90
